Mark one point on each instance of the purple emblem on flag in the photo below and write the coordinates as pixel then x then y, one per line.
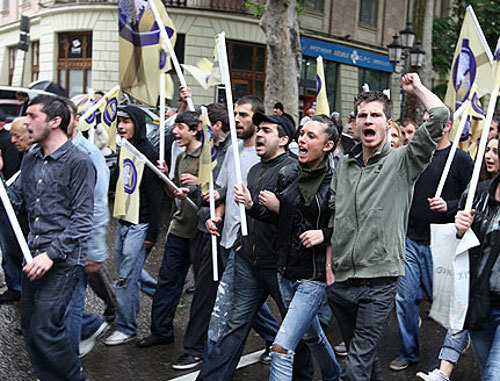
pixel 318 84
pixel 163 58
pixel 464 73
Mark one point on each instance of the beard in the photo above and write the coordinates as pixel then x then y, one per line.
pixel 247 132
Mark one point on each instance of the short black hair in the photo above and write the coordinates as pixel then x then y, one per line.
pixel 374 96
pixel 217 112
pixel 256 103
pixel 406 121
pixel 99 92
pixel 279 106
pixel 190 118
pixel 53 107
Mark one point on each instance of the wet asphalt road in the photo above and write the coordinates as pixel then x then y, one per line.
pixel 126 362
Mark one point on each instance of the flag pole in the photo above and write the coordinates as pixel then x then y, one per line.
pixel 162 117
pixel 213 236
pixel 453 150
pixel 146 161
pixel 226 80
pixel 171 51
pixel 15 224
pixel 484 136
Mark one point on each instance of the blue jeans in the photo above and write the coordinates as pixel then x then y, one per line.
pixel 148 283
pixel 173 271
pixel 453 346
pixel 80 325
pixel 264 323
pixel 10 248
pixel 487 347
pixel 416 281
pixel 130 254
pixel 303 300
pixel 43 305
pixel 252 286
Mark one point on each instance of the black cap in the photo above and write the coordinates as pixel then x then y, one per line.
pixel 284 121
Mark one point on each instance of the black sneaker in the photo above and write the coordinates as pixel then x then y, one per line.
pixel 340 350
pixel 186 361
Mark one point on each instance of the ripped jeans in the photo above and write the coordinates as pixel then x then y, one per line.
pixel 130 254
pixel 303 298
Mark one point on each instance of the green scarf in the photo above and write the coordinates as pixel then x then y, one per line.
pixel 310 179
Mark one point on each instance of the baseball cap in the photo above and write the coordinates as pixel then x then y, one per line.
pixel 284 121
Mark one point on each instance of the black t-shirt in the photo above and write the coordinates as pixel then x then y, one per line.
pixel 458 178
pixel 10 155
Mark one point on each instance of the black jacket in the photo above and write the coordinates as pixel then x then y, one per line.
pixel 151 188
pixel 482 258
pixel 258 246
pixel 295 261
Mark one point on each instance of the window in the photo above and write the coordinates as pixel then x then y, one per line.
pixel 315 5
pixel 307 82
pixel 376 80
pixel 248 69
pixel 74 64
pixel 35 59
pixel 12 63
pixel 368 13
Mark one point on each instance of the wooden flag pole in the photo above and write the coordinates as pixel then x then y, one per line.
pixel 226 80
pixel 15 224
pixel 162 117
pixel 451 155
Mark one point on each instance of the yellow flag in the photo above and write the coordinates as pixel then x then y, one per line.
pixel 206 72
pixel 142 54
pixel 109 109
pixel 89 122
pixel 472 63
pixel 208 154
pixel 322 107
pixel 127 199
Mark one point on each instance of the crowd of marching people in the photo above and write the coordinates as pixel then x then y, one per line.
pixel 338 231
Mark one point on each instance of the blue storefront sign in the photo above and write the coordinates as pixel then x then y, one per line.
pixel 345 55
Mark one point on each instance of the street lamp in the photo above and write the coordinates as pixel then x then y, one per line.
pixel 404 51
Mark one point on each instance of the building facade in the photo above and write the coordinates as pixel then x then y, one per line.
pixel 75 43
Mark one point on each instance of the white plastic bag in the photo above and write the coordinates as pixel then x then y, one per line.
pixel 450 289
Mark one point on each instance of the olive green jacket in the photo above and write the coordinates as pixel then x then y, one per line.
pixel 370 204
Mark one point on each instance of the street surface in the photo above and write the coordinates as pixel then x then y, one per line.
pixel 126 362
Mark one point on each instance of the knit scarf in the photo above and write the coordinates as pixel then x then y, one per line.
pixel 310 179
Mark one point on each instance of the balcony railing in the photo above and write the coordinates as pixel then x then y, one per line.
pixel 234 6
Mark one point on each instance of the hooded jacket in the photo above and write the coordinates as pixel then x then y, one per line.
pixel 151 188
pixel 370 203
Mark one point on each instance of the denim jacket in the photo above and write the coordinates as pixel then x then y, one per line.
pixel 58 192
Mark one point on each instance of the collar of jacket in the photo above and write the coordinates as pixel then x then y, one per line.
pixel 276 160
pixel 356 154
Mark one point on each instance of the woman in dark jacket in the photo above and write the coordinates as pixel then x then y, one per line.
pixel 483 314
pixel 300 208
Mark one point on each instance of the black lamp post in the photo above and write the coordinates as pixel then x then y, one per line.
pixel 411 56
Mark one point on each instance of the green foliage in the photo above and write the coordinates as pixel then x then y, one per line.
pixel 447 30
pixel 257 6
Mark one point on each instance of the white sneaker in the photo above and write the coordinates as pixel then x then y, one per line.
pixel 88 344
pixel 435 375
pixel 118 338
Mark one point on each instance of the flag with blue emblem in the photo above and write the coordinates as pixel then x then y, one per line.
pixel 322 107
pixel 208 157
pixel 206 72
pixel 109 111
pixel 472 63
pixel 142 54
pixel 469 139
pixel 127 199
pixel 90 121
